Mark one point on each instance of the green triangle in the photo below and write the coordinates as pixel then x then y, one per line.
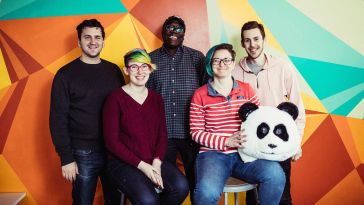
pixel 327 79
pixel 302 37
pixel 47 8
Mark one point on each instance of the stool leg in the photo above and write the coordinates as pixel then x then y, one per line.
pixel 225 198
pixel 236 198
pixel 122 199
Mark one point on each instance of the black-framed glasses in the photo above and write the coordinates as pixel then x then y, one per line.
pixel 177 29
pixel 135 68
pixel 217 61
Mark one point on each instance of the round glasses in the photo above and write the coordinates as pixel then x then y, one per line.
pixel 135 68
pixel 177 29
pixel 217 61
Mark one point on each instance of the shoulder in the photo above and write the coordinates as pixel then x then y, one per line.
pixel 192 51
pixel 109 64
pixel 155 52
pixel 69 67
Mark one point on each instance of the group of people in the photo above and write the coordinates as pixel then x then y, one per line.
pixel 176 101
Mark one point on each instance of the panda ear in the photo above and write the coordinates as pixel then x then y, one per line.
pixel 246 109
pixel 289 108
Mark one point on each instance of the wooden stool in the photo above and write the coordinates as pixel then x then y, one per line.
pixel 234 185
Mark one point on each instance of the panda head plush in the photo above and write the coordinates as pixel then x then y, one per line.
pixel 271 132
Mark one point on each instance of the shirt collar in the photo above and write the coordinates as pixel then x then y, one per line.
pixel 179 49
pixel 212 92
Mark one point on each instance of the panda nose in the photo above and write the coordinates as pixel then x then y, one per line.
pixel 272 146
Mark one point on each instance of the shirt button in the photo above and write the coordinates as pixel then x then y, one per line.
pixel 172 69
pixel 174 103
pixel 173 91
pixel 174 115
pixel 172 81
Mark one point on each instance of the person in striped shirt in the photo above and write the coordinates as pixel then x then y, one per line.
pixel 215 125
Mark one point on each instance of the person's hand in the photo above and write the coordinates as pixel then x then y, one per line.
pixel 157 163
pixel 236 140
pixel 69 171
pixel 298 155
pixel 149 171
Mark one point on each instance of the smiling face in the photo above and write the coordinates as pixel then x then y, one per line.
pixel 138 73
pixel 253 42
pixel 222 63
pixel 171 37
pixel 91 43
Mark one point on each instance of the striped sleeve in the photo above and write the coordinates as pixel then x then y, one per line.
pixel 197 126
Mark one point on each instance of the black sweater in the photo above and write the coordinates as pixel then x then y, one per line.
pixel 77 98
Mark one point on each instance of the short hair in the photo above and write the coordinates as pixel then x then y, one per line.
pixel 251 25
pixel 139 55
pixel 89 23
pixel 211 52
pixel 170 19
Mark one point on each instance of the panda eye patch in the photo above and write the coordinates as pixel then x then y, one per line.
pixel 262 130
pixel 281 131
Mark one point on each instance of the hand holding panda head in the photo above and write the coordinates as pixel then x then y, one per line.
pixel 271 132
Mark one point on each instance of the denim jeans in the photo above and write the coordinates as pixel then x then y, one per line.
pixel 214 168
pixel 140 189
pixel 91 165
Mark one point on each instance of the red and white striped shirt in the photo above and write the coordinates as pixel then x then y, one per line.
pixel 214 117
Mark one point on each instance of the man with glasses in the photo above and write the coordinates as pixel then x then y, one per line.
pixel 78 93
pixel 274 81
pixel 180 71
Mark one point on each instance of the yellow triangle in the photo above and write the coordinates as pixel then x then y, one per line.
pixel 4 76
pixel 343 128
pixel 149 40
pixel 357 130
pixel 312 103
pixel 122 39
pixel 313 121
pixel 238 12
pixel 10 182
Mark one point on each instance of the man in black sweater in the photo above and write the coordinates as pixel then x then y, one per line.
pixel 78 93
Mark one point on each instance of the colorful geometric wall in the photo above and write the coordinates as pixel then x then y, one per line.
pixel 323 39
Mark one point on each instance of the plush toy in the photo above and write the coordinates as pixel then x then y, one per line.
pixel 271 132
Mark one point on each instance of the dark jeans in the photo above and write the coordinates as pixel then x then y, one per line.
pixel 286 196
pixel 188 151
pixel 91 165
pixel 140 189
pixel 214 168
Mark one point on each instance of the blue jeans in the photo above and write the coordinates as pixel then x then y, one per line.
pixel 214 168
pixel 140 189
pixel 91 165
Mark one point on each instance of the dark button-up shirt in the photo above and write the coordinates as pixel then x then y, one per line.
pixel 176 79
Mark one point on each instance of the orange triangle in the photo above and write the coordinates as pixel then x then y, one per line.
pixel 348 191
pixel 343 128
pixel 313 121
pixel 5 95
pixel 357 129
pixel 18 67
pixel 10 182
pixel 129 4
pixel 47 39
pixel 149 40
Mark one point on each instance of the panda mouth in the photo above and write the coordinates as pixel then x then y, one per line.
pixel 268 153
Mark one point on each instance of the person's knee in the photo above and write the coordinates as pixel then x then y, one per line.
pixel 181 185
pixel 275 174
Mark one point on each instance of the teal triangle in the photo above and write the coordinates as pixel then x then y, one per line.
pixel 47 8
pixel 327 79
pixel 8 6
pixel 300 36
pixel 223 37
pixel 215 22
pixel 346 108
